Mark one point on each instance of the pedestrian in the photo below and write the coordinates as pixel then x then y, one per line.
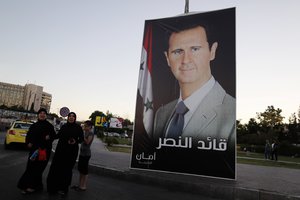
pixel 267 150
pixel 39 140
pixel 60 172
pixel 274 150
pixel 84 156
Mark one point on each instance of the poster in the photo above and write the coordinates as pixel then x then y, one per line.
pixel 115 122
pixel 186 97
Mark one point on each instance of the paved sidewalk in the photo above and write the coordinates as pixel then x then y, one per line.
pixel 104 158
pixel 253 182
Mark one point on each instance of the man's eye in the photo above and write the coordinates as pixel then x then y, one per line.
pixel 196 48
pixel 177 51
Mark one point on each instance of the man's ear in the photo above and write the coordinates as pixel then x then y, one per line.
pixel 167 57
pixel 213 50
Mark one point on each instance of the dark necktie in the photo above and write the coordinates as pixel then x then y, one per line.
pixel 177 121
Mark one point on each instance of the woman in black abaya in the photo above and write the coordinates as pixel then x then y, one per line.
pixel 39 137
pixel 64 159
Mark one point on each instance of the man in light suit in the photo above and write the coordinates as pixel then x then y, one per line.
pixel 209 112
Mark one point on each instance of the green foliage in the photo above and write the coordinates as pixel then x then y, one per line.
pixel 293 118
pixel 255 139
pixel 119 149
pixel 293 133
pixel 3 107
pixel 271 117
pixel 115 130
pixel 110 141
pixel 252 148
pixel 269 126
pixel 107 116
pixel 125 141
pixel 252 126
pixel 99 133
pixel 285 148
pixel 240 128
pixel 127 122
pixel 263 162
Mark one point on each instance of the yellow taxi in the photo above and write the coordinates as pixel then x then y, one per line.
pixel 17 133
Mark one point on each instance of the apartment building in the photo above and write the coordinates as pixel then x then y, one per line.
pixel 29 97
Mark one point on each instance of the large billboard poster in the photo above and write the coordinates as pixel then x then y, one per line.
pixel 186 108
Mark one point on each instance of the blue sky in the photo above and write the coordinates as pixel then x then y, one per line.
pixel 87 53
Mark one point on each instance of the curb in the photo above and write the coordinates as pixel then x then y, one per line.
pixel 222 189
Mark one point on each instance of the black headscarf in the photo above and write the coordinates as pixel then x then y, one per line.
pixel 73 114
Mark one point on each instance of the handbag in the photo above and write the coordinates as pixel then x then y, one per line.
pixel 42 154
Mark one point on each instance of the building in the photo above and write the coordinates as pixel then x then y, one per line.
pixel 46 101
pixel 11 95
pixel 31 97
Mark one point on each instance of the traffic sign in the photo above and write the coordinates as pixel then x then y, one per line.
pixel 64 111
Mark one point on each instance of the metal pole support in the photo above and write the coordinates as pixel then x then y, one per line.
pixel 186 7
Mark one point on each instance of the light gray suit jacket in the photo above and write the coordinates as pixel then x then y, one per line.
pixel 214 117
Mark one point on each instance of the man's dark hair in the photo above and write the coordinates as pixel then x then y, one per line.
pixel 89 123
pixel 178 24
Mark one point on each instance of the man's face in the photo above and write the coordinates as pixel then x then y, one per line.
pixel 86 128
pixel 42 116
pixel 189 56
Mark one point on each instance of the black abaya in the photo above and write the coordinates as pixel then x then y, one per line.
pixel 32 177
pixel 60 173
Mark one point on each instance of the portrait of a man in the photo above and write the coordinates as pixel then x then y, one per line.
pixel 194 128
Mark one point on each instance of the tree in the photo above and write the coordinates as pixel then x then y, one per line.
pixel 271 117
pixel 15 108
pixel 126 122
pixel 3 107
pixel 240 131
pixel 299 115
pixel 95 114
pixel 293 119
pixel 108 115
pixel 293 128
pixel 98 130
pixel 252 126
pixel 271 123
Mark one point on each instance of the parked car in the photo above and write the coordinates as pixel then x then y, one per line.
pixel 17 133
pixel 124 135
pixel 116 135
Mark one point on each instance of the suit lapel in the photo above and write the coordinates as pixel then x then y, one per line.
pixel 205 112
pixel 169 115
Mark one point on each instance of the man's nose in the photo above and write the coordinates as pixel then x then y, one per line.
pixel 186 57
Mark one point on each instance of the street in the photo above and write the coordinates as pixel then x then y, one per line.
pixel 13 164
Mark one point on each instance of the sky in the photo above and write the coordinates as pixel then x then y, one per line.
pixel 86 53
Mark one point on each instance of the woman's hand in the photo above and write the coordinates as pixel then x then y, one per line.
pixel 29 145
pixel 71 141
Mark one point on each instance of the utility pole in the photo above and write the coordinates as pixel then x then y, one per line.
pixel 186 7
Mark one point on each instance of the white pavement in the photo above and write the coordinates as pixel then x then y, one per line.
pixel 104 158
